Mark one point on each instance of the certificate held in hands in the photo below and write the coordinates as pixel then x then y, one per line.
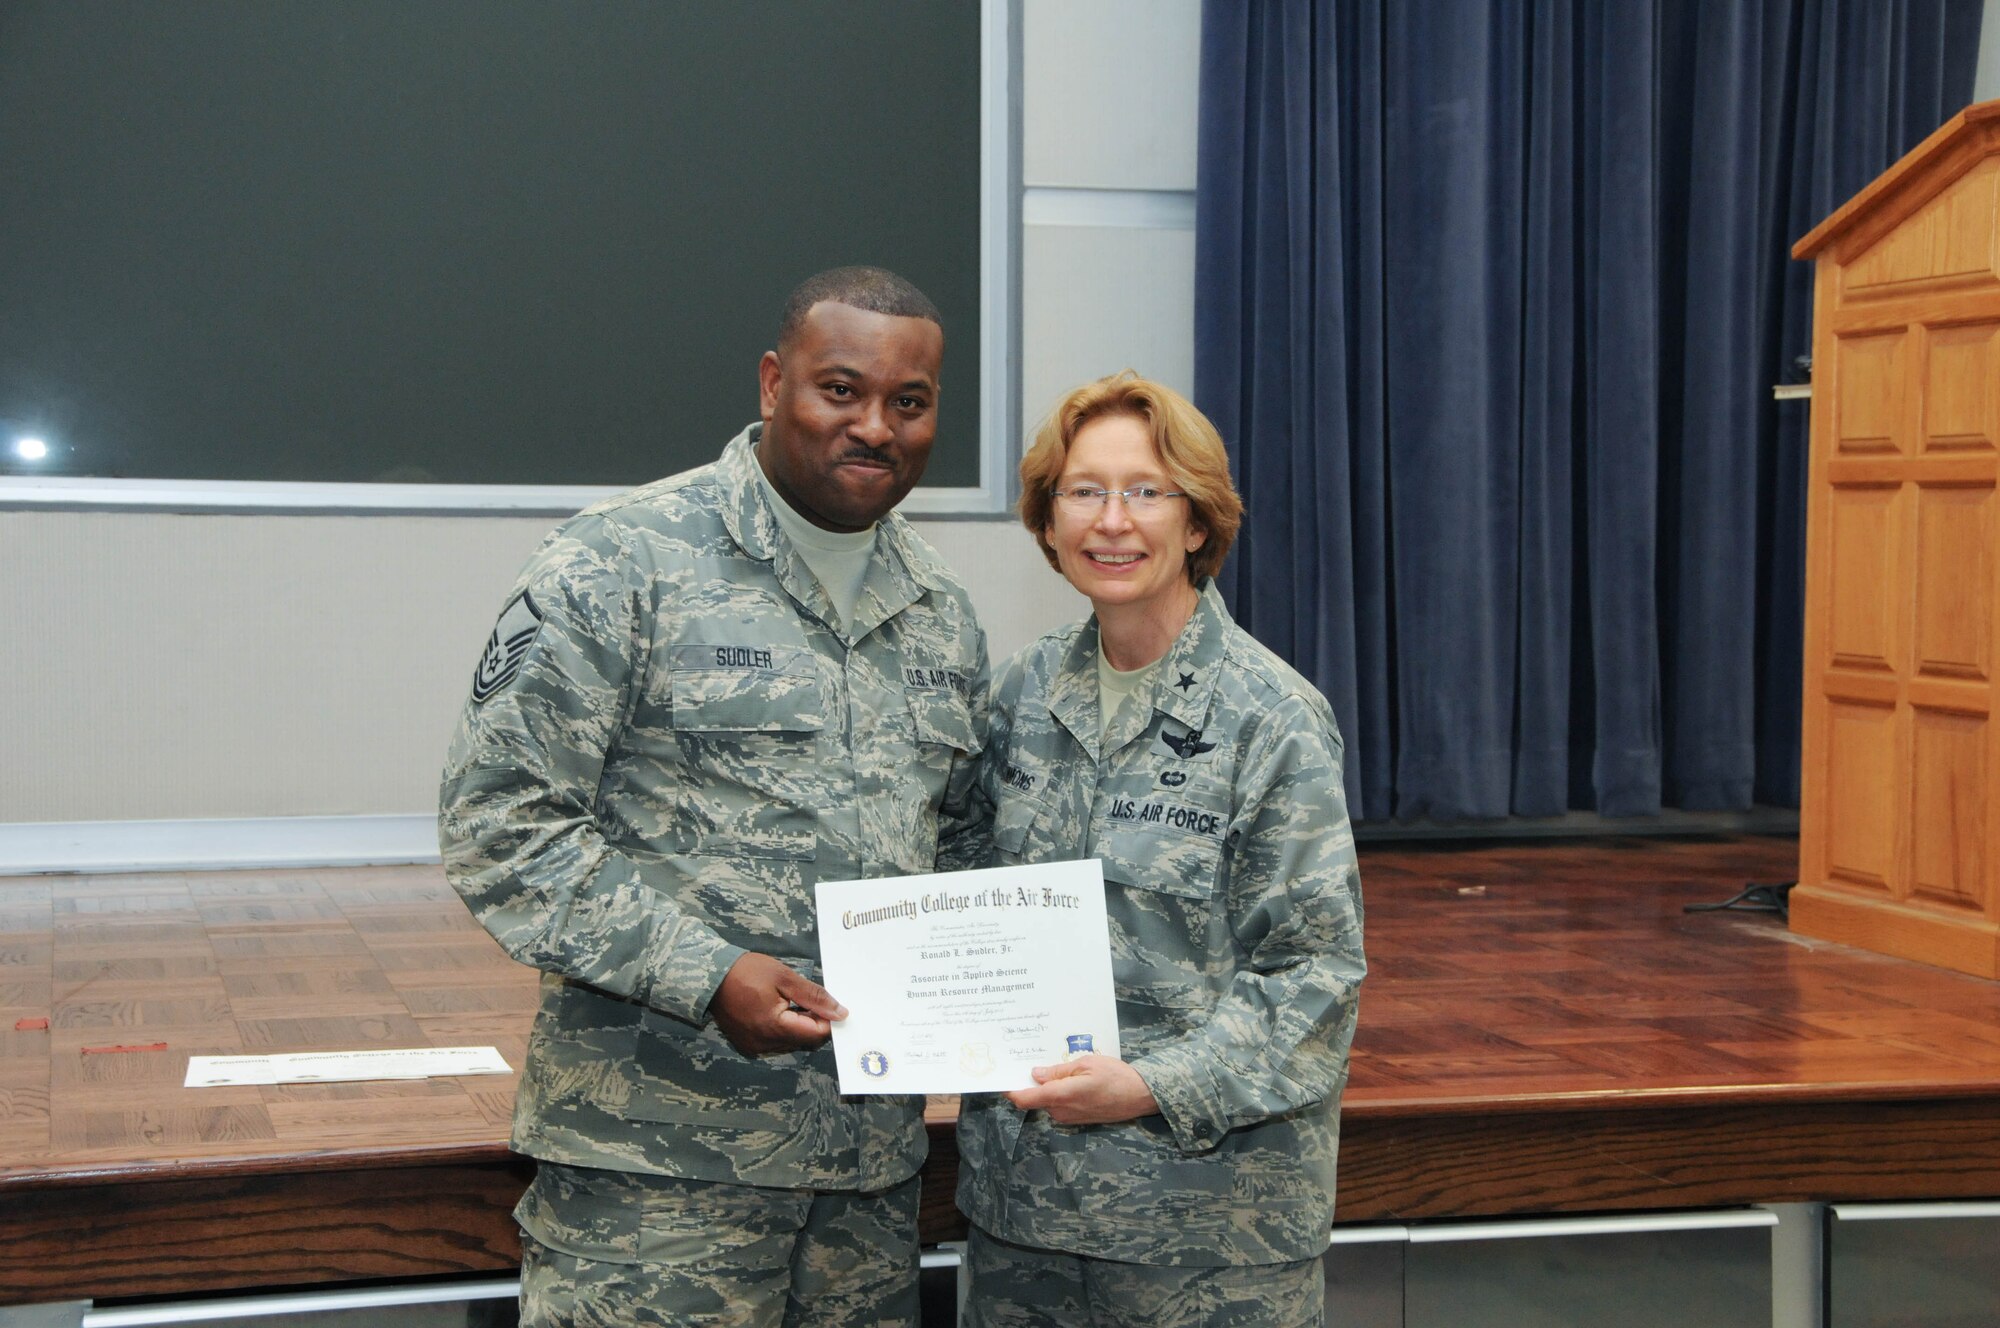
pixel 962 982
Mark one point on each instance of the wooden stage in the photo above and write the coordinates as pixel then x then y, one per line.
pixel 1543 1031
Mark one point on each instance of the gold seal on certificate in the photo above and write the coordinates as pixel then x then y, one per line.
pixel 963 982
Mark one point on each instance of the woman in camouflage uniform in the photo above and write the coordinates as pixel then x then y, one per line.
pixel 1192 1181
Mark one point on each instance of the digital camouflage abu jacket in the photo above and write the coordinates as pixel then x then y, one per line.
pixel 667 744
pixel 1235 914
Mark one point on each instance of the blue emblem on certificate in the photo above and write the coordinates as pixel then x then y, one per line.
pixel 1080 1044
pixel 874 1064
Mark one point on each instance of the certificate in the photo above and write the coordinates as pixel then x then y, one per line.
pixel 311 1067
pixel 962 982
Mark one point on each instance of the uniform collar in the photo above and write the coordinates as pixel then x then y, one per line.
pixel 1183 687
pixel 1188 675
pixel 1073 693
pixel 898 574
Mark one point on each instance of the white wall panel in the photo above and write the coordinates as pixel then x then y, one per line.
pixel 1109 93
pixel 1096 299
pixel 162 666
pixel 179 666
pixel 1017 595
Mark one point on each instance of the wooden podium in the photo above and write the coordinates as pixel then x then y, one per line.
pixel 1900 781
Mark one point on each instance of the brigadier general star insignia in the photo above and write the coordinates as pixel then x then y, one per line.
pixel 506 648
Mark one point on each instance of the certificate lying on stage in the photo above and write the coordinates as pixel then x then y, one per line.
pixel 962 982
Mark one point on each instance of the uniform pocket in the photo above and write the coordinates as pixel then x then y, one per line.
pixel 775 691
pixel 750 775
pixel 1161 895
pixel 632 1218
pixel 1014 820
pixel 942 719
pixel 693 1076
pixel 942 733
pixel 1162 860
pixel 1144 1166
pixel 583 1212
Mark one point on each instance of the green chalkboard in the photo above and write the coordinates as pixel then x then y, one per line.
pixel 500 242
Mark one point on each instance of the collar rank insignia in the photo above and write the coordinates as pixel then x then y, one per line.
pixel 1186 745
pixel 1187 681
pixel 506 648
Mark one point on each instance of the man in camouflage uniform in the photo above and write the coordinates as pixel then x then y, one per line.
pixel 1235 916
pixel 703 697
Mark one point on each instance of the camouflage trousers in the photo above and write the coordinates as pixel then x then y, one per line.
pixel 1014 1286
pixel 607 1249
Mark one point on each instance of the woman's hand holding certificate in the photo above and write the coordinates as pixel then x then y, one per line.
pixel 1092 1090
pixel 963 982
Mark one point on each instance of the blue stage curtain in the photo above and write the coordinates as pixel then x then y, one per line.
pixel 1488 302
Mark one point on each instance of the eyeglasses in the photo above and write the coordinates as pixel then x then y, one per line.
pixel 1090 497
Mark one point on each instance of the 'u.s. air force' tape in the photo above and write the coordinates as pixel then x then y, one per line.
pixel 507 647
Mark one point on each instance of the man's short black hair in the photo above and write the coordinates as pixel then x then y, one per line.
pixel 875 289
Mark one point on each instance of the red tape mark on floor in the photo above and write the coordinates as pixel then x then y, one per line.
pixel 144 1046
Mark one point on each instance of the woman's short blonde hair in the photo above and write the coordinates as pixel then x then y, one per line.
pixel 1190 452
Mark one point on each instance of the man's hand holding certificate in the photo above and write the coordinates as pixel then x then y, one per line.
pixel 962 982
